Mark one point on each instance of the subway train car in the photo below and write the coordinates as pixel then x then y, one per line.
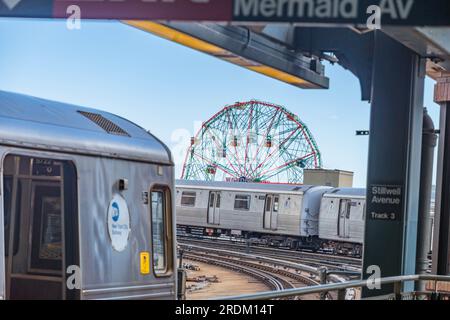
pixel 276 214
pixel 342 216
pixel 86 205
pixel 287 215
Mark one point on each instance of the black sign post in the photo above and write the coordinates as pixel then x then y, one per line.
pixel 393 178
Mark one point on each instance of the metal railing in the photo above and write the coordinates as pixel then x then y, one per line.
pixel 341 288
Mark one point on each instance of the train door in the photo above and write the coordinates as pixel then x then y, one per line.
pixel 271 207
pixel 343 217
pixel 214 207
pixel 41 228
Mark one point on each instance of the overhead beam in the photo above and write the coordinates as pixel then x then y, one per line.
pixel 353 51
pixel 246 48
pixel 432 43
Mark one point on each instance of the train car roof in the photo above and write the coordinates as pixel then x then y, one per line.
pixel 31 122
pixel 244 186
pixel 346 192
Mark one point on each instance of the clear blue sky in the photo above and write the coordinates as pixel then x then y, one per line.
pixel 166 87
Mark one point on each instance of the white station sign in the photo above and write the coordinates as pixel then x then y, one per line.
pixel 118 223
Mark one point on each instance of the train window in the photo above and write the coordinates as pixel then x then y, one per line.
pixel 212 197
pixel 159 256
pixel 188 199
pixel 242 202
pixel 352 207
pixel 276 201
pixel 161 236
pixel 268 203
pixel 218 201
pixel 46 252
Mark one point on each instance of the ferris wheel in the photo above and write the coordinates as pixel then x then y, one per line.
pixel 252 141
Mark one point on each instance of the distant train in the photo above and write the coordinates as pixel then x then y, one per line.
pixel 295 216
pixel 86 205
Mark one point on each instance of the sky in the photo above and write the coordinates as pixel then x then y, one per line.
pixel 169 89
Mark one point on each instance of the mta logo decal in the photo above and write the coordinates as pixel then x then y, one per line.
pixel 116 212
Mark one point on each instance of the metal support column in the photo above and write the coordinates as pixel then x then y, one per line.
pixel 323 279
pixel 429 141
pixel 441 243
pixel 393 178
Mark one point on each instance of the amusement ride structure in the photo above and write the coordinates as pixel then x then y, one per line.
pixel 252 141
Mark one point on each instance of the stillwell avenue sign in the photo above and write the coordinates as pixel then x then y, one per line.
pixel 393 12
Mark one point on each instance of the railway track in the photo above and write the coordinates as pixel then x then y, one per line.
pixel 274 282
pixel 316 260
pixel 276 274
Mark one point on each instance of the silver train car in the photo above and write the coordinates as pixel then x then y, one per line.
pixel 294 216
pixel 86 205
pixel 342 216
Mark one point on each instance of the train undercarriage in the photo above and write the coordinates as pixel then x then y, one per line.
pixel 313 244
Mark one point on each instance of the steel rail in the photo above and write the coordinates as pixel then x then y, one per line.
pixel 274 282
pixel 397 281
pixel 283 263
pixel 291 265
pixel 302 254
pixel 244 263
